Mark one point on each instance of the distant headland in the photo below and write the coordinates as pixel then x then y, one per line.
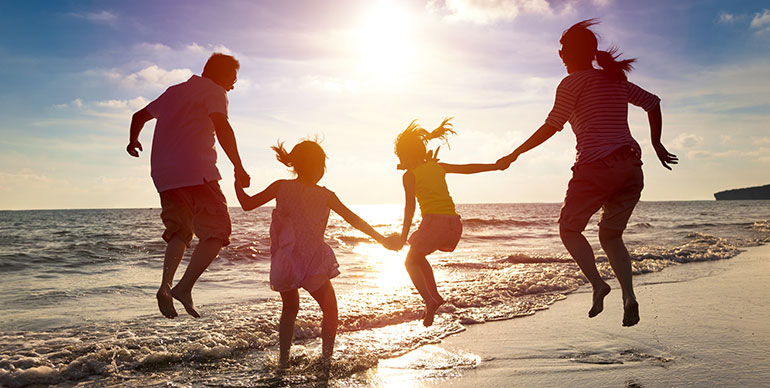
pixel 756 192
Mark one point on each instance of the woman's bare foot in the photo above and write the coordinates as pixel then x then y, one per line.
pixel 166 302
pixel 430 311
pixel 186 299
pixel 599 294
pixel 630 312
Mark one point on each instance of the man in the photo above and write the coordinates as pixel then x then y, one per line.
pixel 183 168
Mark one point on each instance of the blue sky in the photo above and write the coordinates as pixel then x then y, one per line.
pixel 356 73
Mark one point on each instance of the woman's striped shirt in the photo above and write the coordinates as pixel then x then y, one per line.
pixel 596 107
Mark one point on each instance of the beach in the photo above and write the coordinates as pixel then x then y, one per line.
pixel 702 325
pixel 77 304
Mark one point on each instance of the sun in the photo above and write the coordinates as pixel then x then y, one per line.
pixel 385 43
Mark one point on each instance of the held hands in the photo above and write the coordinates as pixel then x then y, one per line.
pixel 664 156
pixel 393 242
pixel 132 147
pixel 505 162
pixel 242 179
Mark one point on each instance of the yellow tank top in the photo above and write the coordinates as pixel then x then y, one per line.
pixel 431 190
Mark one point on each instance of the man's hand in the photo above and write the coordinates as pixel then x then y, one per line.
pixel 132 147
pixel 242 179
pixel 664 156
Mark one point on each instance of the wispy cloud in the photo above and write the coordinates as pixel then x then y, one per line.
pixel 104 17
pixel 150 77
pixel 726 18
pixel 761 22
pixel 488 11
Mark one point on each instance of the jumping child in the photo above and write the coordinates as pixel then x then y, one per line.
pixel 299 256
pixel 440 228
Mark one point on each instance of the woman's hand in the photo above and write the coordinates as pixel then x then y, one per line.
pixel 664 156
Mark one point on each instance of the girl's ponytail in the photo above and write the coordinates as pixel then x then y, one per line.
pixel 617 69
pixel 442 131
pixel 281 154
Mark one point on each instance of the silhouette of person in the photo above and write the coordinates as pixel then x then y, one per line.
pixel 184 171
pixel 299 256
pixel 440 228
pixel 607 173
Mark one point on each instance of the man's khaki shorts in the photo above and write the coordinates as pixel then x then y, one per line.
pixel 613 184
pixel 200 209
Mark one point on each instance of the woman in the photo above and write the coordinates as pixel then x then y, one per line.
pixel 607 173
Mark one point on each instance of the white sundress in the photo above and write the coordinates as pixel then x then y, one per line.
pixel 299 256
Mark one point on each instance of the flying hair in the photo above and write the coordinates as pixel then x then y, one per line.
pixel 411 143
pixel 579 42
pixel 303 158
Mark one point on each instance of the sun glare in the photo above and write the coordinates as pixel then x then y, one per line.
pixel 385 43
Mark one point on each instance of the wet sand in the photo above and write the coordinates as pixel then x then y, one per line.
pixel 702 325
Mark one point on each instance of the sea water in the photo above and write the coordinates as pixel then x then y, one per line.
pixel 77 297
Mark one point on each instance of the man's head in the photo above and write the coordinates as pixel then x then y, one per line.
pixel 222 69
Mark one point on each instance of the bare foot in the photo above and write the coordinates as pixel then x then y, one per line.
pixel 166 303
pixel 630 313
pixel 186 299
pixel 430 311
pixel 599 294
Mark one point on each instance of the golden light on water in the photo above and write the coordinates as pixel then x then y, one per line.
pixel 388 266
pixel 385 44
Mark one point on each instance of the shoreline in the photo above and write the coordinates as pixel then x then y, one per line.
pixel 702 324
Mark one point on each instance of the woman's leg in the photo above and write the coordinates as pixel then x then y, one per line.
pixel 327 299
pixel 620 260
pixel 581 251
pixel 421 274
pixel 286 325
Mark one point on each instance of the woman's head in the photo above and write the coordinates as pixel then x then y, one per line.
pixel 307 159
pixel 411 143
pixel 579 48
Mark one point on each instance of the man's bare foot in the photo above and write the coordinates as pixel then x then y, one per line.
pixel 430 311
pixel 186 299
pixel 165 302
pixel 630 312
pixel 599 294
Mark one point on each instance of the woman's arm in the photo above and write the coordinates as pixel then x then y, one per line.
pixel 252 202
pixel 468 168
pixel 353 219
pixel 656 128
pixel 541 135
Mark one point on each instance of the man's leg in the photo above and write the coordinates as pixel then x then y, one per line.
pixel 205 253
pixel 174 252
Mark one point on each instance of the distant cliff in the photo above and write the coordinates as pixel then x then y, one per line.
pixel 757 192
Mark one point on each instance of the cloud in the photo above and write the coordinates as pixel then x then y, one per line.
pixel 151 77
pixel 488 11
pixel 726 18
pixel 761 22
pixel 133 104
pixel 104 17
pixel 686 141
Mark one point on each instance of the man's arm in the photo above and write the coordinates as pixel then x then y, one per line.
pixel 656 128
pixel 226 138
pixel 137 123
pixel 468 168
pixel 542 134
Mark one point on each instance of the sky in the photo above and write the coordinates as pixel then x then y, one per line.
pixel 354 73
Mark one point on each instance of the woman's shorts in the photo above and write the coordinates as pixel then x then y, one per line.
pixel 437 232
pixel 613 184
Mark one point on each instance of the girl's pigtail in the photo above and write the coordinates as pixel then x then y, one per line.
pixel 608 60
pixel 281 154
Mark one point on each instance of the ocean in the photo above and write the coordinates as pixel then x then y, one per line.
pixel 77 297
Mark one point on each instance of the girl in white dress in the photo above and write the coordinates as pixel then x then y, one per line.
pixel 299 256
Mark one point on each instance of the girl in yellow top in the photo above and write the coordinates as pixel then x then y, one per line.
pixel 440 228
